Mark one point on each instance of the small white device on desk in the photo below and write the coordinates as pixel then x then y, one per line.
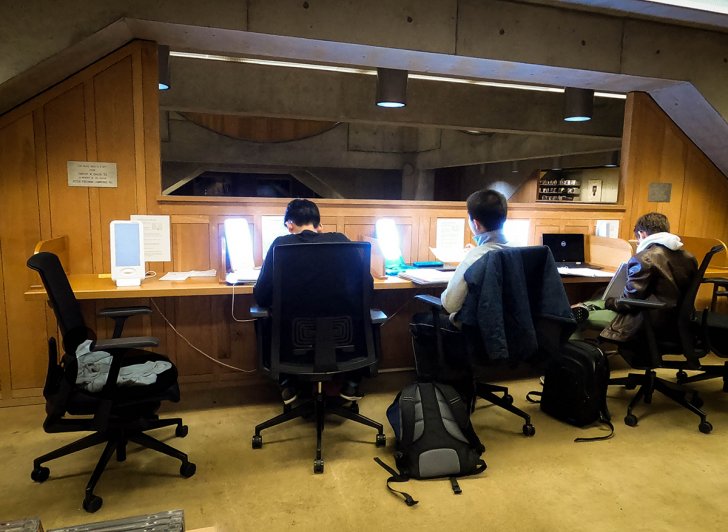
pixel 127 252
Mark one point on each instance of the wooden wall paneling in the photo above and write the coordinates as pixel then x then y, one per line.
pixel 195 320
pixel 150 180
pixel 544 226
pixel 191 243
pixel 96 250
pixel 5 376
pixel 241 337
pixel 115 142
pixel 70 210
pixel 19 232
pixel 672 171
pixel 585 227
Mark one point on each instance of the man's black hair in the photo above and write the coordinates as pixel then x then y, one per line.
pixel 302 212
pixel 489 207
pixel 651 223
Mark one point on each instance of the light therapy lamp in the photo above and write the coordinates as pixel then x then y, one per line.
pixel 388 239
pixel 239 246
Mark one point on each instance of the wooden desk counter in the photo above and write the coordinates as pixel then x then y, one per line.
pixel 91 286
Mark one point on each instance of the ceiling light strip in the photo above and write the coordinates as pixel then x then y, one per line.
pixel 373 72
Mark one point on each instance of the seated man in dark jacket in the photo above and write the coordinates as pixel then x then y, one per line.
pixel 659 269
pixel 303 221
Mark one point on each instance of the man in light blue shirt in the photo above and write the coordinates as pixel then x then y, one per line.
pixel 487 211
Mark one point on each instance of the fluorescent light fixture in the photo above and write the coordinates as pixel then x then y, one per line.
pixel 163 67
pixel 578 104
pixel 391 88
pixel 372 72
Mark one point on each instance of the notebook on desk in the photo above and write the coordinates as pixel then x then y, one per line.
pixel 567 249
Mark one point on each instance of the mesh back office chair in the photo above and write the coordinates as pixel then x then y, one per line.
pixel 116 414
pixel 648 350
pixel 320 326
pixel 516 310
pixel 713 334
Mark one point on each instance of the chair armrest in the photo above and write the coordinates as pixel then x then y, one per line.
pixel 378 317
pixel 119 312
pixel 720 281
pixel 642 304
pixel 433 301
pixel 259 312
pixel 125 343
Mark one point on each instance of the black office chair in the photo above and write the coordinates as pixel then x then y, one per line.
pixel 115 414
pixel 320 326
pixel 648 351
pixel 520 313
pixel 713 327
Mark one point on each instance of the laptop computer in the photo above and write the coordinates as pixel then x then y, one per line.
pixel 567 249
pixel 615 288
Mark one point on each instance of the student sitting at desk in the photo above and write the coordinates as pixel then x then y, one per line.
pixel 659 268
pixel 487 211
pixel 303 221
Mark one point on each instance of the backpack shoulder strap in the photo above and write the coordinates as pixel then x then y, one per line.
pixel 457 406
pixel 396 477
pixel 407 400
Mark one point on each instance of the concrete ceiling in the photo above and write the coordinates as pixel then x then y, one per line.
pixel 676 55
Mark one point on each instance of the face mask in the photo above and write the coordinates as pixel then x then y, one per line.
pixel 480 239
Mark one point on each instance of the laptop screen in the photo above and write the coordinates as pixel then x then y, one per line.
pixel 565 247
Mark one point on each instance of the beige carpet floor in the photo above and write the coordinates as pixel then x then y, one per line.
pixel 661 475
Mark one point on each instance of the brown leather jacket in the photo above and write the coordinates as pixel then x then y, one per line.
pixel 656 272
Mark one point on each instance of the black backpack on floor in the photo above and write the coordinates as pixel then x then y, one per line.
pixel 434 436
pixel 575 387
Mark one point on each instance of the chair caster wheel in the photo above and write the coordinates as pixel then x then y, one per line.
pixel 318 466
pixel 92 503
pixel 187 469
pixel 381 440
pixel 630 420
pixel 508 399
pixel 681 376
pixel 40 474
pixel 257 441
pixel 529 430
pixel 705 427
pixel 181 431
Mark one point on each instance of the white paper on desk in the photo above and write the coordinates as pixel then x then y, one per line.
pixel 202 273
pixel 450 233
pixel 584 272
pixel 174 276
pixel 426 275
pixel 156 236
pixel 449 255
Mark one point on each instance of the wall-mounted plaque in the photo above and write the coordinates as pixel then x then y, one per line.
pixel 91 174
pixel 659 192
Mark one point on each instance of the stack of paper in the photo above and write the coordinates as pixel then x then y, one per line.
pixel 427 275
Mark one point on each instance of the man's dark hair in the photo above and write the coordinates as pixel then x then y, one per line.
pixel 489 207
pixel 651 223
pixel 302 212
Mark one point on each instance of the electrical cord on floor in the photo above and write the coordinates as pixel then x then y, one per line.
pixel 395 313
pixel 216 361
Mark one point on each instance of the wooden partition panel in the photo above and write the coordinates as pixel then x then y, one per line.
pixel 660 153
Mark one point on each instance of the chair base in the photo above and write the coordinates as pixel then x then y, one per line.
pixel 706 372
pixel 116 439
pixel 505 401
pixel 649 383
pixel 319 407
